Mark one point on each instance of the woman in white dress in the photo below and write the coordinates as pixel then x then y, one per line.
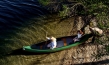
pixel 53 43
pixel 79 35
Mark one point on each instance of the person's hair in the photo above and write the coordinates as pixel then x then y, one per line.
pixel 50 36
pixel 80 31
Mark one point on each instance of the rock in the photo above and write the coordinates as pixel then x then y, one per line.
pixel 80 23
pixel 93 22
pixel 87 31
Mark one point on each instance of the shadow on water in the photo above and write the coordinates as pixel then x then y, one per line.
pixel 15 15
pixel 22 52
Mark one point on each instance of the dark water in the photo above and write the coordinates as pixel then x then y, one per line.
pixel 15 13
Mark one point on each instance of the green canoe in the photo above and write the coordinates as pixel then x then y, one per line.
pixel 62 44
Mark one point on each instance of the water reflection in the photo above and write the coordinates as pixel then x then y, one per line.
pixel 14 14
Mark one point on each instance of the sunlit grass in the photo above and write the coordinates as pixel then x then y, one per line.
pixel 32 34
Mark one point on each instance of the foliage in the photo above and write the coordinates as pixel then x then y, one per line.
pixel 95 6
pixel 100 9
pixel 107 48
pixel 64 12
pixel 44 2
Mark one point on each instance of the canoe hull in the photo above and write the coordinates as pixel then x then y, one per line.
pixel 35 50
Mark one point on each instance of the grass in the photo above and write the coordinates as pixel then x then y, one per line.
pixel 44 2
pixel 31 34
pixel 34 32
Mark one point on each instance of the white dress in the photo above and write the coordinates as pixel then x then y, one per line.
pixel 79 35
pixel 53 43
pixel 77 38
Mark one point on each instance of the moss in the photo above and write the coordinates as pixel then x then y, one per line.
pixel 107 48
pixel 64 13
pixel 44 2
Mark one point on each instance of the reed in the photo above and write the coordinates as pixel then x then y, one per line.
pixel 28 35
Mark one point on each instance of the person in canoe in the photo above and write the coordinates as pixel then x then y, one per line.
pixel 53 43
pixel 79 35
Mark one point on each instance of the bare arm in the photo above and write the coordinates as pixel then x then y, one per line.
pixel 48 38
